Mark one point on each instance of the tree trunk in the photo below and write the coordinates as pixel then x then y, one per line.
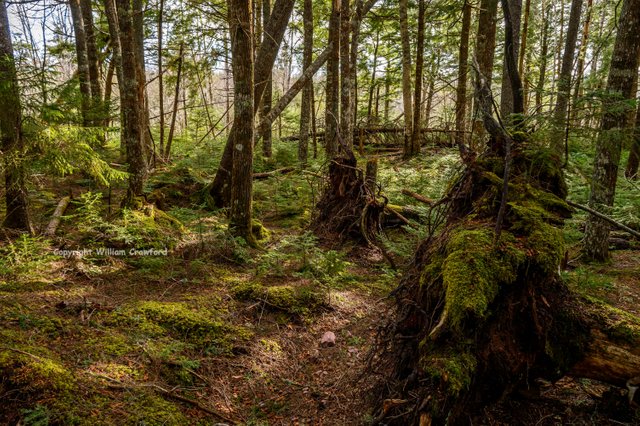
pixel 176 99
pixel 243 114
pixel 108 88
pixel 116 58
pixel 267 98
pixel 415 131
pixel 631 171
pixel 305 78
pixel 387 92
pixel 515 105
pixel 577 91
pixel 333 82
pixel 507 94
pixel 525 55
pixel 160 78
pixel 97 111
pixel 306 106
pixel 83 61
pixel 624 68
pixel 16 201
pixel 372 81
pixel 461 91
pixel 560 119
pixel 220 189
pixel 346 114
pixel 544 53
pixel 406 77
pixel 485 50
pixel 132 103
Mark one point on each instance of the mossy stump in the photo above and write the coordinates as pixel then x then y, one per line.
pixel 480 315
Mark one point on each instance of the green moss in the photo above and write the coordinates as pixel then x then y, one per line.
pixel 473 271
pixel 298 300
pixel 453 370
pixel 200 328
pixel 152 410
pixel 261 233
pixel 35 373
pixel 110 345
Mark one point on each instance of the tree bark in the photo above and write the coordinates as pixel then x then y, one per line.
pixel 220 189
pixel 560 119
pixel 132 103
pixel 333 82
pixel 306 106
pixel 242 65
pixel 631 171
pixel 176 98
pixel 406 77
pixel 525 55
pixel 161 78
pixel 485 50
pixel 93 64
pixel 346 114
pixel 508 94
pixel 577 91
pixel 116 57
pixel 267 98
pixel 83 61
pixel 461 90
pixel 372 81
pixel 624 68
pixel 544 53
pixel 16 201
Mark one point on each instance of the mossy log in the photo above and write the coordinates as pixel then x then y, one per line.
pixel 480 315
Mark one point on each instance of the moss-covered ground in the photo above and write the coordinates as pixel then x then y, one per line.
pixel 217 332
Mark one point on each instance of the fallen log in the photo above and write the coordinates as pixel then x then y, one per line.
pixel 265 175
pixel 418 197
pixel 57 217
pixel 605 218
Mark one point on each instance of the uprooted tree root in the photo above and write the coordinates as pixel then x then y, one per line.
pixel 348 208
pixel 478 316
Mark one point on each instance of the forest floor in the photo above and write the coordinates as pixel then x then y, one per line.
pixel 216 332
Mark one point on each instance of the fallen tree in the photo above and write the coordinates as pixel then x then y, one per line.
pixel 482 311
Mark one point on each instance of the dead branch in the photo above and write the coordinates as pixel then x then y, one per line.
pixel 417 197
pixel 265 175
pixel 57 217
pixel 605 218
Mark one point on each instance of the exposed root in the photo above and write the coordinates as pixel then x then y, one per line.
pixel 477 317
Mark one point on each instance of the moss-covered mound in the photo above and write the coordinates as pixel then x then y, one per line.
pixel 480 314
pixel 299 300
